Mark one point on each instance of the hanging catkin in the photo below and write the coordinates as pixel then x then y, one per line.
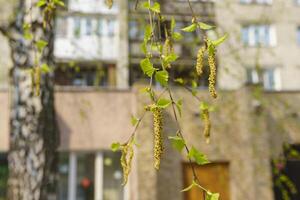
pixel 212 74
pixel 126 158
pixel 200 58
pixel 207 125
pixel 158 140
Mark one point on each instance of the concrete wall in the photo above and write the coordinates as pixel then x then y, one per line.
pixel 234 57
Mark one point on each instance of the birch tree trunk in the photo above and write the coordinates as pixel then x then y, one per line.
pixel 33 132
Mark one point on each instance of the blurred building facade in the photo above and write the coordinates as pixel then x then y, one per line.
pixel 97 51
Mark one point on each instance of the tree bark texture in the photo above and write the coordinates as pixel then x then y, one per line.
pixel 33 133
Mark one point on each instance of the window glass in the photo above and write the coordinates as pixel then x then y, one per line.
pixel 3 175
pixel 111 23
pixel 268 78
pixel 88 26
pixel 61 26
pixel 85 176
pixel 77 27
pixel 255 35
pixel 113 177
pixel 63 171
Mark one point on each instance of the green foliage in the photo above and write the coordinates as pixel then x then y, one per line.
pixel 163 103
pixel 147 67
pixel 41 44
pixel 177 142
pixel 134 120
pixel 162 77
pixel 205 26
pixel 212 196
pixel 115 146
pixel 190 28
pixel 198 157
pixel 220 40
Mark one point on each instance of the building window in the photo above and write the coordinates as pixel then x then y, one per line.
pixel 259 35
pixel 88 176
pixel 88 26
pixel 77 27
pixel 298 35
pixel 111 27
pixel 61 27
pixel 3 175
pixel 256 1
pixel 268 78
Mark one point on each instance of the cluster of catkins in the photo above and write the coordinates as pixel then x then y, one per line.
pixel 212 67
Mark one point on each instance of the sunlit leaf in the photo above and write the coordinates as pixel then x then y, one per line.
pixel 177 142
pixel 190 28
pixel 147 67
pixel 198 157
pixel 162 77
pixel 163 103
pixel 155 7
pixel 212 196
pixel 134 120
pixel 205 26
pixel 115 146
pixel 220 40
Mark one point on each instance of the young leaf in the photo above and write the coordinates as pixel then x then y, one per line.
pixel 115 146
pixel 179 106
pixel 171 58
pixel 163 103
pixel 144 47
pixel 212 196
pixel 199 157
pixel 220 40
pixel 134 120
pixel 177 36
pixel 162 77
pixel 146 5
pixel 205 26
pixel 148 32
pixel 41 3
pixel 179 81
pixel 189 187
pixel 177 142
pixel 155 7
pixel 147 67
pixel 45 68
pixel 62 4
pixel 190 28
pixel 40 44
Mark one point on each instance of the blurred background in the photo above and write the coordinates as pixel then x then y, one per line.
pixel 255 124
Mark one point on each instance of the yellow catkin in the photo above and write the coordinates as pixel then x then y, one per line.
pixel 212 74
pixel 207 125
pixel 167 49
pixel 37 80
pixel 126 158
pixel 158 140
pixel 200 58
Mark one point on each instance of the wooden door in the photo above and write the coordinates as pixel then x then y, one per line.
pixel 213 176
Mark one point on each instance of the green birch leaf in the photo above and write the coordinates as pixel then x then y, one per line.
pixel 146 5
pixel 205 26
pixel 147 34
pixel 179 81
pixel 134 120
pixel 115 146
pixel 190 28
pixel 179 106
pixel 147 67
pixel 45 68
pixel 163 103
pixel 212 196
pixel 40 45
pixel 199 157
pixel 177 36
pixel 220 40
pixel 155 7
pixel 41 3
pixel 171 58
pixel 162 77
pixel 177 143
